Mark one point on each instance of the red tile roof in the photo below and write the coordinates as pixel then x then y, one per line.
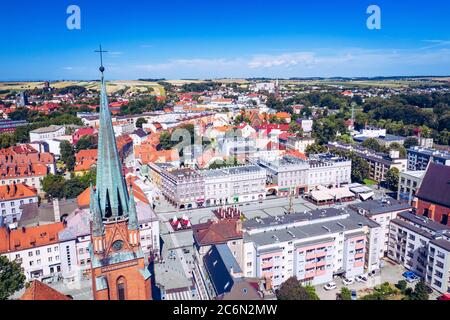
pixel 30 237
pixel 40 291
pixel 214 232
pixel 16 191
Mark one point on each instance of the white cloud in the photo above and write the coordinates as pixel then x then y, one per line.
pixel 351 62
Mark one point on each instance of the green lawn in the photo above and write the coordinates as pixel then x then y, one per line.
pixel 369 182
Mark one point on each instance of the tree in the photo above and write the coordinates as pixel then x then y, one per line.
pixel 410 142
pixel 392 178
pixel 402 285
pixel 373 144
pixel 165 141
pixel 346 294
pixel 72 188
pixel 360 168
pixel 140 122
pixel 53 185
pixel 12 278
pixel 345 138
pixel 86 142
pixel 292 289
pixel 397 146
pixel 7 140
pixel 67 155
pixel 420 292
pixel 315 149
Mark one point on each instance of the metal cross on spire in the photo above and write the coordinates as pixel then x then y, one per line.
pixel 102 68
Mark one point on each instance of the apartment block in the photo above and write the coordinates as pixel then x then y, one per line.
pixel 423 246
pixel 419 157
pixel 408 185
pixel 379 163
pixel 313 246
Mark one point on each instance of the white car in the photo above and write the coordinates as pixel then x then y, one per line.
pixel 348 281
pixel 330 286
pixel 361 278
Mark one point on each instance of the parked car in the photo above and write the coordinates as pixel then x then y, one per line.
pixel 444 297
pixel 330 286
pixel 411 276
pixel 354 295
pixel 348 281
pixel 361 278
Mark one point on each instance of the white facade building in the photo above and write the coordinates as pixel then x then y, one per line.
pixel 47 133
pixel 234 184
pixel 313 246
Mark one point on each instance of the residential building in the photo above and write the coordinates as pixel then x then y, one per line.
pixel 234 185
pixel 47 133
pixel 289 172
pixel 382 211
pixel 183 187
pixel 85 160
pixel 433 197
pixel 313 246
pixel 9 126
pixel 12 198
pixel 419 157
pixel 226 276
pixel 299 143
pixel 379 163
pixel 36 249
pixel 409 183
pixel 423 246
pixel 225 231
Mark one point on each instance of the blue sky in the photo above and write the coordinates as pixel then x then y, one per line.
pixel 208 39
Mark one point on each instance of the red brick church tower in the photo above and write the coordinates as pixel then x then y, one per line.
pixel 118 267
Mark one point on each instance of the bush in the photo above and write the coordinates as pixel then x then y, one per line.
pixel 402 285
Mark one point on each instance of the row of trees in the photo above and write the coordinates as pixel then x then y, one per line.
pixel 139 106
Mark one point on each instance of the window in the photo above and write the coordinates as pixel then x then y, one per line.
pixel 49 250
pixel 50 259
pixel 444 219
pixel 30 254
pixel 38 252
pixel 121 288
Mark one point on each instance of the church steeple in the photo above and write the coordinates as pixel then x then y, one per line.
pixel 111 192
pixel 117 262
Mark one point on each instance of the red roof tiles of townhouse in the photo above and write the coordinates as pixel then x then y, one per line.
pixel 90 154
pixel 16 191
pixel 29 237
pixel 214 232
pixel 283 115
pixel 40 291
pixel 297 154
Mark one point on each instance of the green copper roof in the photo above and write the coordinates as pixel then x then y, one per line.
pixel 110 201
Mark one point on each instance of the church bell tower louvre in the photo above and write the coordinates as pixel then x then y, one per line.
pixel 117 262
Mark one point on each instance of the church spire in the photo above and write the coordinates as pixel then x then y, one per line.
pixel 133 219
pixel 111 192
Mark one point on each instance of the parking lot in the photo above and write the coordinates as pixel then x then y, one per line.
pixel 391 273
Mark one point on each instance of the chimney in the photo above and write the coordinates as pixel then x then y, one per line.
pixel 56 210
pixel 239 225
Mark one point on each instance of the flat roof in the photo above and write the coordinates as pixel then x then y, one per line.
pixel 380 206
